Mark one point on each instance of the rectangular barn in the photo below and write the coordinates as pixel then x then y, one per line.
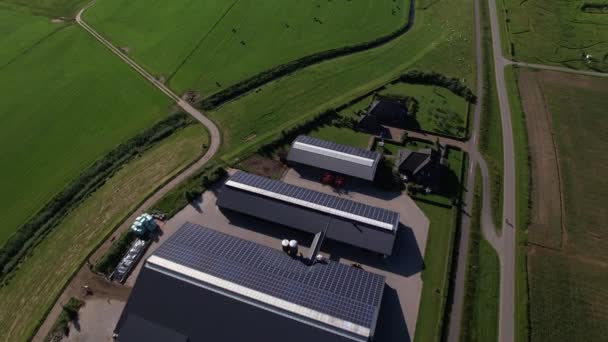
pixel 341 219
pixel 326 155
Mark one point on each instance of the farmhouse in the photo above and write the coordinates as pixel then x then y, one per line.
pixel 423 166
pixel 203 285
pixel 384 111
pixel 347 160
pixel 340 219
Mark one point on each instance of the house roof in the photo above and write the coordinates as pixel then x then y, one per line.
pixel 414 161
pixel 335 157
pixel 204 276
pixel 314 200
pixel 387 110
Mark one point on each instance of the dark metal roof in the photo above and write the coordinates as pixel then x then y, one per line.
pixel 335 289
pixel 413 161
pixel 388 111
pixel 314 200
pixel 348 160
pixel 136 328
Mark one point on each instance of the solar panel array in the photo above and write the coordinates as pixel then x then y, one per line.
pixel 334 289
pixel 359 152
pixel 345 205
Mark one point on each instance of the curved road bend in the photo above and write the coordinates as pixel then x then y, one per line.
pixel 214 136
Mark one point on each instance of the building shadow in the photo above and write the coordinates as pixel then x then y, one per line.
pixel 391 326
pixel 406 259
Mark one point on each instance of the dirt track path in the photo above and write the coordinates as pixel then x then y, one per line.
pixel 84 273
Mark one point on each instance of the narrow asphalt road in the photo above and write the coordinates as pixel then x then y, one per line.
pixel 214 136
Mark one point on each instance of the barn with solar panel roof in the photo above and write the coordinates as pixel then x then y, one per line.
pixel 340 219
pixel 203 285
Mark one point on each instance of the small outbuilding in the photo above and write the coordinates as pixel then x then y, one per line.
pixel 422 166
pixel 327 155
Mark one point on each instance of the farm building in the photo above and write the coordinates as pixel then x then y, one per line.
pixel 203 285
pixel 423 166
pixel 347 160
pixel 384 111
pixel 342 220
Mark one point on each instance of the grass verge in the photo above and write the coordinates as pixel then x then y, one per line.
pixel 490 142
pixel 482 287
pixel 522 205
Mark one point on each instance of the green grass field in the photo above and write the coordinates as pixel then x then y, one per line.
pixel 556 32
pixel 259 116
pixel 19 32
pixel 568 295
pixel 218 43
pixel 32 291
pixel 58 118
pixel 440 110
pixel 48 8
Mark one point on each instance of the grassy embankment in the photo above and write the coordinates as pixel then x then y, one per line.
pixel 557 32
pixel 490 137
pixel 522 204
pixel 481 301
pixel 33 289
pixel 58 118
pixel 568 293
pixel 219 43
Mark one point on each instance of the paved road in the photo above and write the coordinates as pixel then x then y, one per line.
pixel 214 135
pixel 555 68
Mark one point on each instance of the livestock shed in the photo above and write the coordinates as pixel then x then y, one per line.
pixel 203 285
pixel 341 219
pixel 326 155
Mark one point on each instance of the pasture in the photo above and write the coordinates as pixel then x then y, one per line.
pixel 559 32
pixel 33 289
pixel 218 43
pixel 259 116
pixel 568 262
pixel 48 8
pixel 58 118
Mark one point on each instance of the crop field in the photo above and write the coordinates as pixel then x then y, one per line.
pixel 440 110
pixel 260 115
pixel 568 262
pixel 557 32
pixel 33 289
pixel 58 118
pixel 218 42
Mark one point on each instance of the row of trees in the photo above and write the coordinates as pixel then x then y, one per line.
pixel 32 232
pixel 433 78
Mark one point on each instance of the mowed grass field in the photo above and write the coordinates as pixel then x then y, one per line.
pixel 208 45
pixel 438 40
pixel 556 32
pixel 32 291
pixel 19 32
pixel 65 103
pixel 568 293
pixel 49 8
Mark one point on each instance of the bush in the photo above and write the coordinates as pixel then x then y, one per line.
pixel 387 177
pixel 68 314
pixel 433 78
pixel 108 262
pixel 89 180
